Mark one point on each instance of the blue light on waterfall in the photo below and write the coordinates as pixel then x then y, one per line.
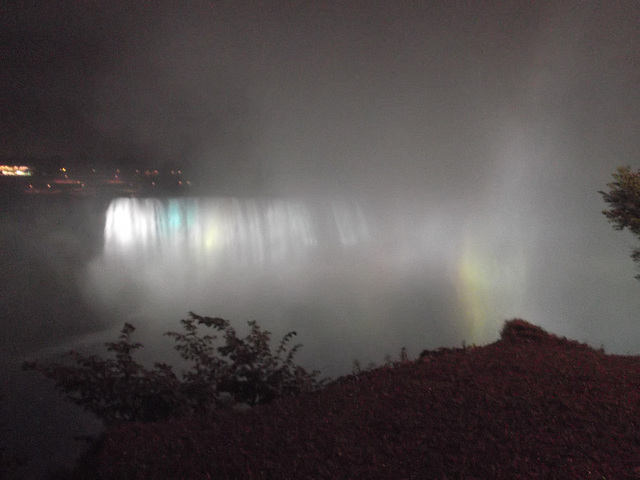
pixel 244 231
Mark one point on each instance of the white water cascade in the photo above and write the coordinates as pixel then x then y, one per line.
pixel 343 275
pixel 234 232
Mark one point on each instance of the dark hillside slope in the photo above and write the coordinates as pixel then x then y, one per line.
pixel 531 405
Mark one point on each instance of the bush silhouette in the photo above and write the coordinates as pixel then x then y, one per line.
pixel 225 369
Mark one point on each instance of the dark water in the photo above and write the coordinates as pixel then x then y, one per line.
pixel 355 279
pixel 44 245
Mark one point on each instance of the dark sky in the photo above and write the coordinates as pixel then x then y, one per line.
pixel 285 96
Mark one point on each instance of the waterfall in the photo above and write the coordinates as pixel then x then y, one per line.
pixel 231 231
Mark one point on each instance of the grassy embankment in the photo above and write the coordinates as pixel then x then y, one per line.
pixel 531 405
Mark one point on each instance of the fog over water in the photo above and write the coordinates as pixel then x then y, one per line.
pixel 345 276
pixel 372 175
pixel 355 279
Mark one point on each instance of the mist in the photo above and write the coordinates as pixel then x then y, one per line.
pixel 371 176
pixel 479 135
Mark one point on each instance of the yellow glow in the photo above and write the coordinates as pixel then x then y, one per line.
pixel 14 171
pixel 491 283
pixel 212 238
pixel 473 291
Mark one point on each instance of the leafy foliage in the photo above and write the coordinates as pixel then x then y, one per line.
pixel 244 368
pixel 623 198
pixel 121 389
pixel 531 405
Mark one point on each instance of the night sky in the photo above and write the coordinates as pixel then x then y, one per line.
pixel 284 96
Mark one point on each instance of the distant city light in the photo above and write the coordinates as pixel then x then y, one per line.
pixel 15 171
pixel 117 181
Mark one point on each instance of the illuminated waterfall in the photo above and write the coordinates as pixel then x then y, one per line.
pixel 333 268
pixel 231 231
